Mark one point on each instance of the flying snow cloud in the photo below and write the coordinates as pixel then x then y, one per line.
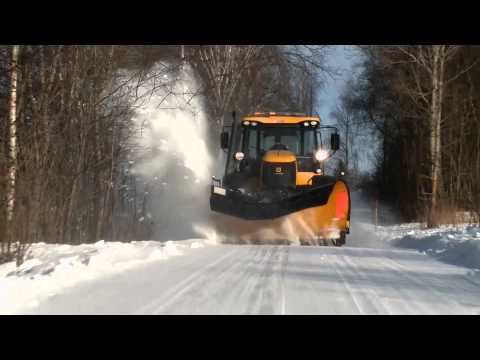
pixel 173 162
pixel 173 124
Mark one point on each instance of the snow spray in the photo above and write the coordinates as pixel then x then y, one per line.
pixel 174 163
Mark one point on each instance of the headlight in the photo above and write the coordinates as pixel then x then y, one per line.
pixel 306 124
pixel 314 123
pixel 246 123
pixel 321 155
pixel 239 156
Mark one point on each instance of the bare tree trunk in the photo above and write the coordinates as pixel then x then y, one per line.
pixel 438 70
pixel 12 167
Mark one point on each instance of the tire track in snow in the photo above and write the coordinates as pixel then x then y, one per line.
pixel 239 281
pixel 221 280
pixel 243 284
pixel 314 291
pixel 271 282
pixel 448 304
pixel 227 278
pixel 172 294
pixel 350 291
pixel 374 300
pixel 247 284
pixel 284 266
pixel 261 288
pixel 411 303
pixel 265 291
pixel 278 280
pixel 399 300
pixel 203 294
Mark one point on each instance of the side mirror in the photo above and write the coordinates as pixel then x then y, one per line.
pixel 224 140
pixel 335 142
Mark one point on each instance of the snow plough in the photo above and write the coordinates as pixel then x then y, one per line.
pixel 275 187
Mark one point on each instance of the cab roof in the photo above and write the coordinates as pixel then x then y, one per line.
pixel 280 118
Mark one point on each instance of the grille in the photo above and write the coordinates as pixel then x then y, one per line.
pixel 279 175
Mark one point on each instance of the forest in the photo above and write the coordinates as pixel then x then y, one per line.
pixel 66 123
pixel 421 105
pixel 66 127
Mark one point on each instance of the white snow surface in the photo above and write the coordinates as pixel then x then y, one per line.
pixel 399 269
pixel 51 270
pixel 458 245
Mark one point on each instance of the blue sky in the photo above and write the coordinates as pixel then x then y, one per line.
pixel 343 58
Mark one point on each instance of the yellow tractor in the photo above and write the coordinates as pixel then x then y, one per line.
pixel 275 189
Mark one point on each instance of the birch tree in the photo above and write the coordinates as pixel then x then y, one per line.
pixel 12 164
pixel 432 61
pixel 423 101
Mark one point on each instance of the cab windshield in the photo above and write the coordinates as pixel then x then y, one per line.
pixel 258 140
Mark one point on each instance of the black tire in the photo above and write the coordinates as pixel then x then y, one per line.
pixel 342 240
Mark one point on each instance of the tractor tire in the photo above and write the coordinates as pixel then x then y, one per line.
pixel 342 240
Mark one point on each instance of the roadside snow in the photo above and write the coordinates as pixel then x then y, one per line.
pixel 457 245
pixel 50 269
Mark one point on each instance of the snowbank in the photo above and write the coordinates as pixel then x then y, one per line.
pixel 50 269
pixel 458 245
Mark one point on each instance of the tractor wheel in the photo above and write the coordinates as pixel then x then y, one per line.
pixel 341 240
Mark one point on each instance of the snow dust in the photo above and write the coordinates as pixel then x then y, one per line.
pixel 173 164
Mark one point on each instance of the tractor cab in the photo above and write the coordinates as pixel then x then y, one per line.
pixel 277 150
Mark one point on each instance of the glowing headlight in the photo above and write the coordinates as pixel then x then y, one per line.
pixel 321 155
pixel 306 124
pixel 246 123
pixel 314 123
pixel 254 124
pixel 239 156
pixel 319 171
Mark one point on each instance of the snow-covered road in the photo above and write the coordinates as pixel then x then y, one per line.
pixel 368 276
pixel 230 279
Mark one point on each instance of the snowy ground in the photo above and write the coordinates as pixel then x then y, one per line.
pixel 457 245
pixel 52 270
pixel 398 269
